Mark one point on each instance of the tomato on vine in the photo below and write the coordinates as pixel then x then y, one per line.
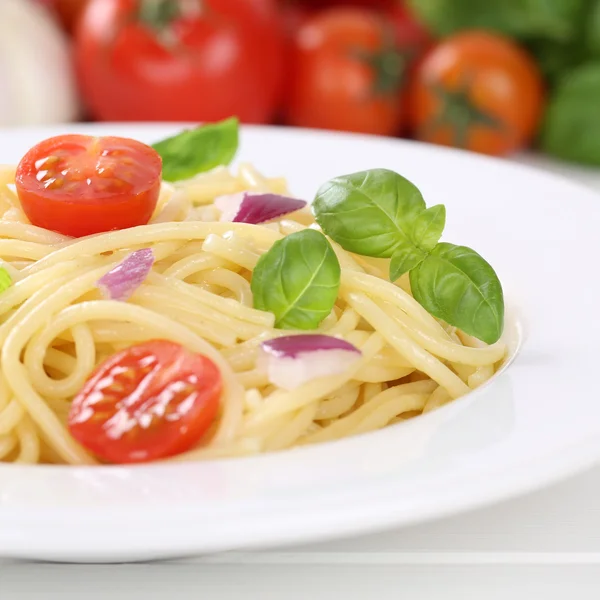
pixel 477 91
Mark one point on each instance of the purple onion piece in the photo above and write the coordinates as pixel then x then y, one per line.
pixel 121 282
pixel 293 360
pixel 256 208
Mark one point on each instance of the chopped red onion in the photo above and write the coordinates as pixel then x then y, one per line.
pixel 255 207
pixel 121 282
pixel 295 359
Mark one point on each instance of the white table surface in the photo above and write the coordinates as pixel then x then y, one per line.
pixel 544 545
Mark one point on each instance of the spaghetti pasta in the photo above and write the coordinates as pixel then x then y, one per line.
pixel 56 327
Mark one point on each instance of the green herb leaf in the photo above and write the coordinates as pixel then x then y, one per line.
pixel 369 213
pixel 571 129
pixel 522 19
pixel 5 279
pixel 457 285
pixel 405 258
pixel 298 280
pixel 429 226
pixel 198 150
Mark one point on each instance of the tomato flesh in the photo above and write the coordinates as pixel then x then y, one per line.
pixel 80 185
pixel 148 402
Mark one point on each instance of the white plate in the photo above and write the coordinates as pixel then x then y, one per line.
pixel 536 422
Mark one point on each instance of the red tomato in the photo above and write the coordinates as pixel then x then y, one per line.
pixel 181 60
pixel 148 402
pixel 68 11
pixel 376 4
pixel 294 16
pixel 479 91
pixel 348 73
pixel 79 185
pixel 411 35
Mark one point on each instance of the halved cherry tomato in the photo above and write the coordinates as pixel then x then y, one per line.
pixel 148 402
pixel 79 185
pixel 479 91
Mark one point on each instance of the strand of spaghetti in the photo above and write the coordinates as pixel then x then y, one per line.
pixel 35 353
pixel 60 361
pixel 345 324
pixel 11 416
pixel 369 391
pixel 382 415
pixel 20 249
pixel 396 337
pixel 481 376
pixel 23 289
pixel 32 303
pixel 194 263
pixel 29 442
pixel 30 233
pixel 232 251
pixel 344 399
pixel 437 399
pixel 253 378
pixel 282 402
pixel 7 444
pixel 236 284
pixel 186 304
pixel 372 373
pixel 108 333
pixel 343 426
pixel 484 355
pixel 240 447
pixel 144 235
pixel 373 286
pixel 229 306
pixel 287 435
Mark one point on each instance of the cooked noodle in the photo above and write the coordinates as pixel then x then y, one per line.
pixel 55 327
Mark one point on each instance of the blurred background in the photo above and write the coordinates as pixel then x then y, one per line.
pixel 493 76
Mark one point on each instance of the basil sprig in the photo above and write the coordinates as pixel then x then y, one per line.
pixel 381 214
pixel 297 280
pixel 198 150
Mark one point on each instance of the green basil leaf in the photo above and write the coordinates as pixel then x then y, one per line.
pixel 298 280
pixel 429 226
pixel 522 19
pixel 369 213
pixel 405 259
pixel 198 150
pixel 571 129
pixel 457 285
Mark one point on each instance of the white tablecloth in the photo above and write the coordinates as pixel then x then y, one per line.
pixel 545 545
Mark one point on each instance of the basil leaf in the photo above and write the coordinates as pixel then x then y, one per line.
pixel 369 213
pixel 521 19
pixel 404 259
pixel 571 129
pixel 457 285
pixel 198 150
pixel 298 280
pixel 428 227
